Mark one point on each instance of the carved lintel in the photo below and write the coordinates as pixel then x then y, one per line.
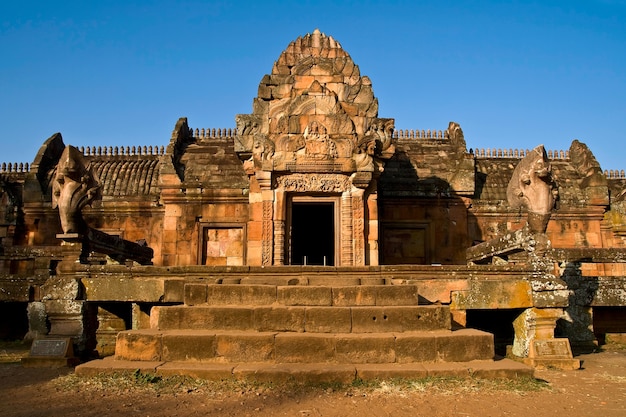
pixel 335 183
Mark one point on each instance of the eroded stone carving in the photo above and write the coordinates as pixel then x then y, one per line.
pixel 586 165
pixel 74 187
pixel 455 134
pixel 531 187
pixel 364 155
pixel 382 131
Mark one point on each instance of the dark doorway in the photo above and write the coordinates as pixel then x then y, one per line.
pixel 312 233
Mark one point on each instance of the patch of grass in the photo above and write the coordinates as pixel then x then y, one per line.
pixel 138 382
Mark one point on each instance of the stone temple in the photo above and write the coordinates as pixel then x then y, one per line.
pixel 314 240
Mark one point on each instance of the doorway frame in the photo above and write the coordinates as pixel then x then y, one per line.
pixel 312 199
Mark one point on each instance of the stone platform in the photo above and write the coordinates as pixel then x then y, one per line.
pixel 303 332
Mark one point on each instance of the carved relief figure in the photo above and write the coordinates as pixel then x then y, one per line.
pixel 317 143
pixel 455 134
pixel 74 187
pixel 531 186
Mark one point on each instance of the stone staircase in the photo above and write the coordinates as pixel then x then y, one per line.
pixel 316 333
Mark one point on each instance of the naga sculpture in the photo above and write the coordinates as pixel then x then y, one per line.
pixel 531 187
pixel 74 187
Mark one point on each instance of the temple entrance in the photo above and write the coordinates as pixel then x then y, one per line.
pixel 312 233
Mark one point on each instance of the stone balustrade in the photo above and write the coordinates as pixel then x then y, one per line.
pixel 419 134
pixel 515 153
pixel 615 174
pixel 220 133
pixel 121 150
pixel 14 167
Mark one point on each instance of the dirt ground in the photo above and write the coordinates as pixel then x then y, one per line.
pixel 597 389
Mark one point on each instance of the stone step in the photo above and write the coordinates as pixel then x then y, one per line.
pixel 315 319
pixel 291 295
pixel 290 347
pixel 314 373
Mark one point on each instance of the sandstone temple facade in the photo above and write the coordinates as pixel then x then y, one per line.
pixel 314 189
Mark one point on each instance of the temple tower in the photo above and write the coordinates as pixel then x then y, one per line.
pixel 313 149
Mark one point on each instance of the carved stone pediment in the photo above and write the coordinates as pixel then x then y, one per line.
pixel 315 113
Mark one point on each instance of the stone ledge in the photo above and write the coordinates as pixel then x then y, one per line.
pixel 312 372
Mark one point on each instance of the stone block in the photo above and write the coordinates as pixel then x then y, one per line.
pixel 206 371
pixel 494 294
pixel 59 288
pixel 174 290
pixel 64 307
pixel 195 294
pixel 206 318
pixel 328 320
pixel 279 318
pixel 310 373
pixel 124 289
pixel 67 327
pixel 245 347
pixel 354 296
pixel 360 348
pixel 304 347
pixel 188 346
pixel 396 295
pixel 416 347
pixel 465 345
pixel 138 346
pixel 241 294
pixel 305 296
pixel 375 371
pixel 400 319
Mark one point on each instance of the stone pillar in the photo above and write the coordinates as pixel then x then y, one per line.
pixel 66 311
pixel 37 326
pixel 358 226
pixel 267 245
pixel 534 323
pixel 346 229
pixel 372 230
pixel 534 340
pixel 280 212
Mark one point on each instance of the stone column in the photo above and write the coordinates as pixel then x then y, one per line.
pixel 280 211
pixel 267 244
pixel 66 311
pixel 358 226
pixel 534 323
pixel 535 341
pixel 346 229
pixel 372 230
pixel 37 326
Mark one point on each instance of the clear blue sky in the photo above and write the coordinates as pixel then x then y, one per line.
pixel 514 74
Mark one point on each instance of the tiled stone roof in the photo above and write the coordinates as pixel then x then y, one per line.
pixel 131 176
